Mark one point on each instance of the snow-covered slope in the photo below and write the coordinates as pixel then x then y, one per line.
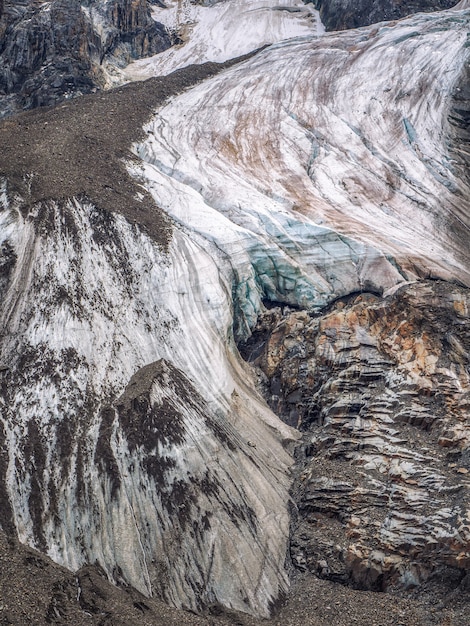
pixel 166 486
pixel 222 30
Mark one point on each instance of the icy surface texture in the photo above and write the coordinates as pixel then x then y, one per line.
pixel 179 486
pixel 322 166
pixel 217 31
pixel 131 430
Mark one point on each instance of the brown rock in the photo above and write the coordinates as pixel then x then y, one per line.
pixel 381 395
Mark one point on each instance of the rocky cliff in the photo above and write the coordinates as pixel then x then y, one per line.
pixel 344 14
pixel 235 320
pixel 380 388
pixel 51 51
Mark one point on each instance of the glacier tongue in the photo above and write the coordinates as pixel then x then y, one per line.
pixel 343 138
pixel 179 487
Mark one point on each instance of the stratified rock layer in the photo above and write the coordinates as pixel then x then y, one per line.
pixel 381 389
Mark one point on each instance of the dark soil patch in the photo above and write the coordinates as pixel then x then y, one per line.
pixel 37 592
pixel 80 148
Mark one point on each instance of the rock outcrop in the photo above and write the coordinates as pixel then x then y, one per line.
pixel 380 388
pixel 55 50
pixel 344 14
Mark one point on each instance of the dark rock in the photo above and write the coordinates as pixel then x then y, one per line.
pixel 344 14
pixel 53 51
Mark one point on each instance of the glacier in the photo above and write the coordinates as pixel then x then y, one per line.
pixel 84 490
pixel 136 436
pixel 332 146
pixel 218 31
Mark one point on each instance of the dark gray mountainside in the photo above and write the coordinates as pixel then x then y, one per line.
pixel 343 14
pixel 54 50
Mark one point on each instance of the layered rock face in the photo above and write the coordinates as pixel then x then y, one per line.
pixel 380 387
pixel 55 50
pixel 343 14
